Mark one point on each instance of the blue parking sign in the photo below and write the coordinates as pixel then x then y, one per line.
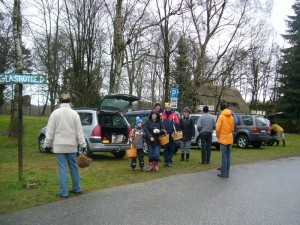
pixel 174 92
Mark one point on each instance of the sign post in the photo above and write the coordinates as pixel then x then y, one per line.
pixel 21 79
pixel 174 97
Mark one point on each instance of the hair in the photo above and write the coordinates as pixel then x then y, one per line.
pixel 223 105
pixel 205 109
pixel 65 98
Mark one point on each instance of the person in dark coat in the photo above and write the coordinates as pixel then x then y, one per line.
pixel 188 131
pixel 153 128
pixel 158 108
pixel 170 123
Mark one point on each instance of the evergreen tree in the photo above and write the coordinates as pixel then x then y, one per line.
pixel 290 66
pixel 182 75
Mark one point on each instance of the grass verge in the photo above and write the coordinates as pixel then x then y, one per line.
pixel 104 172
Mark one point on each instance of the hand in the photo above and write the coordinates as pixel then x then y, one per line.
pixel 151 139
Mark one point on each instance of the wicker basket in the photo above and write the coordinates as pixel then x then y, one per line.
pixel 131 152
pixel 164 138
pixel 177 135
pixel 83 161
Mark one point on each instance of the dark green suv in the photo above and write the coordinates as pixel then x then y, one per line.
pixel 252 130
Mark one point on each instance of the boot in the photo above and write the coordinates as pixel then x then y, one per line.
pixel 151 166
pixel 283 141
pixel 182 157
pixel 156 166
pixel 187 157
pixel 277 143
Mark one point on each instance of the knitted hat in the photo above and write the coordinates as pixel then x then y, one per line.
pixel 138 120
pixel 186 109
pixel 157 103
pixel 167 105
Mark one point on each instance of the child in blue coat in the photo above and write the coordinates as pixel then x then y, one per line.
pixel 137 136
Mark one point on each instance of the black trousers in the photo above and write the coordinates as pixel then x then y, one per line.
pixel 140 156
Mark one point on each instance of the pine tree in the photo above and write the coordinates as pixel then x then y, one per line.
pixel 182 74
pixel 290 66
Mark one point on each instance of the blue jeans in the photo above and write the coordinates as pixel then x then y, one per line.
pixel 206 139
pixel 226 156
pixel 62 159
pixel 153 152
pixel 169 152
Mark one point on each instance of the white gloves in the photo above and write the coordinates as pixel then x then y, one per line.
pixel 156 131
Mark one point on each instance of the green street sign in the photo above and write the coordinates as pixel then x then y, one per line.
pixel 22 78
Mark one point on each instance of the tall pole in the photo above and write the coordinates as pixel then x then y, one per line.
pixel 20 132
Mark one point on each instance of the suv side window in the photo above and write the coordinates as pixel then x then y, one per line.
pixel 247 120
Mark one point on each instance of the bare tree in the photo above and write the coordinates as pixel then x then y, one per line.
pixel 83 78
pixel 210 18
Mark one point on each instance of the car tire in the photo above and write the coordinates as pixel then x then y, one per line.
pixel 41 144
pixel 199 143
pixel 270 143
pixel 145 148
pixel 242 141
pixel 119 154
pixel 256 144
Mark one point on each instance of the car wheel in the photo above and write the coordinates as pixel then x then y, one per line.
pixel 41 144
pixel 119 155
pixel 145 148
pixel 242 141
pixel 199 143
pixel 270 143
pixel 257 144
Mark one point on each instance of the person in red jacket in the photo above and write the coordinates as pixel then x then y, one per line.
pixel 170 123
pixel 224 129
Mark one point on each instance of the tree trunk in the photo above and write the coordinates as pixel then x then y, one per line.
pixel 17 34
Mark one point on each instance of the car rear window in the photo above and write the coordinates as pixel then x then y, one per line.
pixel 247 120
pixel 261 121
pixel 86 118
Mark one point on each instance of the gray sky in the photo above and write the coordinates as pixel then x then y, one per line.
pixel 281 9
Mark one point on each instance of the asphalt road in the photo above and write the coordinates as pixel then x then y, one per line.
pixel 264 193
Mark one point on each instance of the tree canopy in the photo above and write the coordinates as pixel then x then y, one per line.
pixel 290 66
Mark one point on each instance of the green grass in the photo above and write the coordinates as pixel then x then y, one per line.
pixel 104 172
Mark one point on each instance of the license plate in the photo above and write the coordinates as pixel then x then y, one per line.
pixel 263 131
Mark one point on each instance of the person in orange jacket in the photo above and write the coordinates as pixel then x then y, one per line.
pixel 224 129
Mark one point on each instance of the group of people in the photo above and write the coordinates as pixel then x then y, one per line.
pixel 160 121
pixel 65 120
pixel 166 120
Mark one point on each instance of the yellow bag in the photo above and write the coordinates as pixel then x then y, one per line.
pixel 131 152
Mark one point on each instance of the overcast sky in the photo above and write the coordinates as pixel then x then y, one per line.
pixel 281 9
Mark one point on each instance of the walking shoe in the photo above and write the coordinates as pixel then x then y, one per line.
pixel 76 192
pixel 169 164
pixel 219 168
pixel 141 169
pixel 57 195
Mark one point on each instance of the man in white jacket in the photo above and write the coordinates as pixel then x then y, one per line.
pixel 64 133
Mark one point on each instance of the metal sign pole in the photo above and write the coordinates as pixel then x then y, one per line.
pixel 20 132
